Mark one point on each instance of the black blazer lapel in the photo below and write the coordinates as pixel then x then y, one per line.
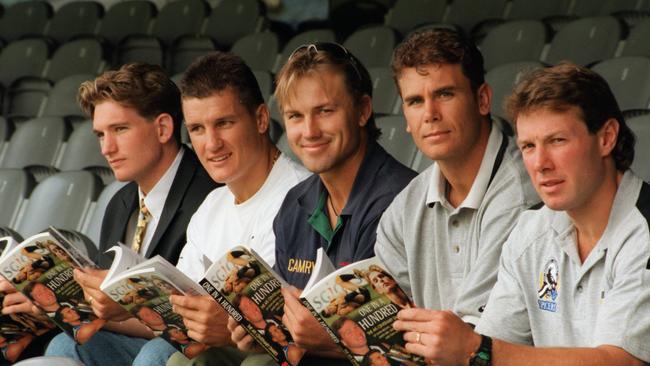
pixel 177 191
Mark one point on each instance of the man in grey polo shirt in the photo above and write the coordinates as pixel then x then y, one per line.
pixel 442 235
pixel 571 271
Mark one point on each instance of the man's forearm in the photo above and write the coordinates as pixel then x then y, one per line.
pixel 131 327
pixel 508 354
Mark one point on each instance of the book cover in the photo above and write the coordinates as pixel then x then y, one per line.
pixel 17 331
pixel 248 289
pixel 41 267
pixel 357 305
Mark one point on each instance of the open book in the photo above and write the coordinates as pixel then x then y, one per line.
pixel 356 304
pixel 143 286
pixel 17 331
pixel 41 268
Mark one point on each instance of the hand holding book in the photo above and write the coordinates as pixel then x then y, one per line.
pixel 204 318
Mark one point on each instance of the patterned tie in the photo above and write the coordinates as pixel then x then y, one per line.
pixel 141 228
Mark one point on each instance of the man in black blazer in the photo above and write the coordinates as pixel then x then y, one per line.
pixel 190 186
pixel 136 113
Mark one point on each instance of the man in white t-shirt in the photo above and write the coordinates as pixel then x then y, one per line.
pixel 228 125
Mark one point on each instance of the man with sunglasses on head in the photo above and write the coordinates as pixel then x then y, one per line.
pixel 445 252
pixel 325 96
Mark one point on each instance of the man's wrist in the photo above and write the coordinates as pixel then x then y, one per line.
pixel 482 356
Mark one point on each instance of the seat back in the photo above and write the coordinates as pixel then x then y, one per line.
pixel 385 96
pixel 26 18
pixel 126 18
pixel 25 57
pixel 373 46
pixel 307 37
pixel 640 125
pixel 15 186
pixel 514 41
pixel 77 18
pixel 62 100
pixel 82 56
pixel 406 15
pixel 231 20
pixel 97 217
pixel 62 200
pixel 186 50
pixel 396 140
pixel 37 142
pixel 502 79
pixel 585 41
pixel 179 18
pixel 258 50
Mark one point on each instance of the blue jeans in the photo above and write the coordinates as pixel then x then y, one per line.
pixel 108 349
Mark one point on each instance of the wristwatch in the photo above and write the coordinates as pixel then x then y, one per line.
pixel 483 355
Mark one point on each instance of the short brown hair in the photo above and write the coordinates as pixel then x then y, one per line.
pixel 218 71
pixel 143 87
pixel 311 58
pixel 439 46
pixel 568 85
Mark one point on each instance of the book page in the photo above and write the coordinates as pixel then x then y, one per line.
pixel 322 268
pixel 124 258
pixel 358 305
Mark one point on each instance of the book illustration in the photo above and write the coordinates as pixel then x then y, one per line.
pixel 42 269
pixel 146 296
pixel 245 286
pixel 358 305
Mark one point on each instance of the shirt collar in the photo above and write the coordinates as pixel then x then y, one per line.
pixel 438 183
pixel 374 158
pixel 155 200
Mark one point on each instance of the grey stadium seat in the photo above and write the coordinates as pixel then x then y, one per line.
pixel 62 200
pixel 468 13
pixel 74 19
pixel 126 18
pixel 26 98
pixel 637 43
pixel 421 162
pixel 265 81
pixel 396 140
pixel 230 20
pixel 503 79
pixel 140 48
pixel 36 143
pixel 307 37
pixel 373 46
pixel 640 125
pixel 590 8
pixel 521 40
pixel 62 100
pixel 186 50
pixel 258 50
pixel 27 18
pixel 629 79
pixel 534 9
pixel 179 18
pixel 15 186
pixel 97 216
pixel 6 129
pixel 385 96
pixel 585 41
pixel 82 152
pixel 25 57
pixel 82 56
pixel 406 15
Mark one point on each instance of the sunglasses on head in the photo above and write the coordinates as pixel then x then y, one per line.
pixel 333 49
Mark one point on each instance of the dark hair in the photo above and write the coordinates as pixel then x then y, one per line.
pixel 568 85
pixel 312 58
pixel 338 324
pixel 218 71
pixel 439 46
pixel 143 87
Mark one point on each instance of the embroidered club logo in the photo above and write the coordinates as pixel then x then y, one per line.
pixel 548 287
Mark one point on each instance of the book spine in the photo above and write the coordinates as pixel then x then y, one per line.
pixel 329 331
pixel 235 314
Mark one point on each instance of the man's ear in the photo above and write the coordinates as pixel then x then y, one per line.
pixel 262 118
pixel 365 110
pixel 164 127
pixel 608 136
pixel 484 98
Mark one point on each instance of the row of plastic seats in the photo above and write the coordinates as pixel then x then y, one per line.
pixel 628 77
pixel 225 23
pixel 46 145
pixel 406 15
pixel 30 207
pixel 599 38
